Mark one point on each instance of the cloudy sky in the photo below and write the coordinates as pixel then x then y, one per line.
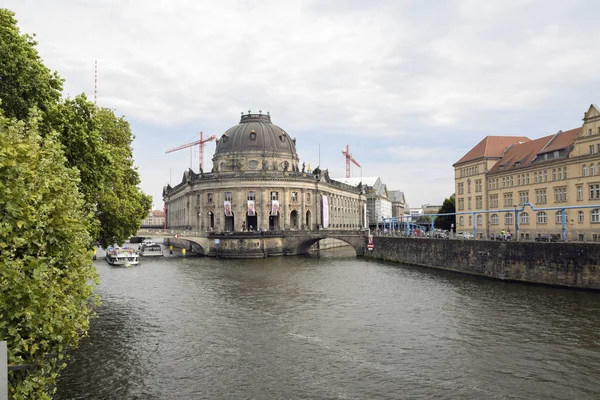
pixel 410 86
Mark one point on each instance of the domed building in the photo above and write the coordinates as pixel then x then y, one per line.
pixel 257 183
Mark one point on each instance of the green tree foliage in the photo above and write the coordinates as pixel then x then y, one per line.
pixel 446 221
pixel 25 82
pixel 46 274
pixel 99 145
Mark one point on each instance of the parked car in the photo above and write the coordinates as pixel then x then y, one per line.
pixel 464 235
pixel 548 237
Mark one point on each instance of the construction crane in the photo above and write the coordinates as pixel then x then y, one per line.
pixel 349 158
pixel 201 142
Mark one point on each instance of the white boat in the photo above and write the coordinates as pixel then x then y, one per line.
pixel 122 256
pixel 150 249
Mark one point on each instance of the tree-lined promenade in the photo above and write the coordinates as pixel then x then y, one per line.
pixel 67 182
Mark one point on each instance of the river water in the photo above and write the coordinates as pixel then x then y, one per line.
pixel 331 326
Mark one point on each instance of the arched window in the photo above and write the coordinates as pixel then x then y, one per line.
pixel 461 221
pixel 542 217
pixel 479 220
pixel 508 219
pixel 599 168
pixel 592 170
pixel 558 216
pixel 524 218
pixel 580 217
pixel 494 219
pixel 595 215
pixel 584 170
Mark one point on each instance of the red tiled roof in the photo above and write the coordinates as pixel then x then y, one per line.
pixel 562 140
pixel 491 146
pixel 520 155
pixel 158 213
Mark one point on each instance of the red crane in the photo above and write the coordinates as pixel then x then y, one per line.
pixel 201 142
pixel 349 158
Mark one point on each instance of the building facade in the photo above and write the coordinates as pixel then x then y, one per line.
pixel 155 219
pixel 549 185
pixel 256 183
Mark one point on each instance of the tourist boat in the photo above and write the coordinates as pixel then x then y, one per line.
pixel 150 249
pixel 122 256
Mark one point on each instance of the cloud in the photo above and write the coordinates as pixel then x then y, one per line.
pixel 403 83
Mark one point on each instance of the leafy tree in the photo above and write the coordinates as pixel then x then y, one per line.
pixel 47 276
pixel 446 221
pixel 99 144
pixel 25 82
pixel 423 219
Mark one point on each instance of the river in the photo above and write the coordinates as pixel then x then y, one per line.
pixel 331 326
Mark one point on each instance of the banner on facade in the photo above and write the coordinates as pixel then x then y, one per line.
pixel 274 208
pixel 251 211
pixel 365 223
pixel 227 205
pixel 325 212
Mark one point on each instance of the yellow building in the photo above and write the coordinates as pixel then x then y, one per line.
pixel 515 184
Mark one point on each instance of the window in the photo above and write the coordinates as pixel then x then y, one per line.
pixel 494 219
pixel 209 197
pixel 527 178
pixel 461 220
pixel 461 204
pixel 308 197
pixel 553 174
pixel 595 215
pixel 294 197
pixel 584 170
pixel 560 195
pixel 579 193
pixel 595 191
pixel 478 185
pixel 469 186
pixel 468 203
pixel 512 181
pixel 565 172
pixel 535 177
pixel 519 180
pixel 592 148
pixel 542 217
pixel 251 195
pixel 523 198
pixel 478 202
pixel 508 200
pixel 479 220
pixel 494 201
pixel 274 195
pixel 580 217
pixel 508 219
pixel 590 132
pixel 524 218
pixel 592 170
pixel 560 173
pixel 540 196
pixel 558 216
pixel 252 164
pixel 461 188
pixel 228 196
pixel 545 175
pixel 252 135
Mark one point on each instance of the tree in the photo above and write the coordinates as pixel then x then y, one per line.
pixel 446 221
pixel 99 144
pixel 25 82
pixel 47 276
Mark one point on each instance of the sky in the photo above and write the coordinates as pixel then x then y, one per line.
pixel 409 86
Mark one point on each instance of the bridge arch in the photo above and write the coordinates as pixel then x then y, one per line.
pixel 302 244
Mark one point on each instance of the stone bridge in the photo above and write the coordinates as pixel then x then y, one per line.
pixel 266 243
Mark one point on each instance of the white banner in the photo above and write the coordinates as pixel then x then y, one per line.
pixel 365 223
pixel 274 208
pixel 325 212
pixel 227 205
pixel 251 211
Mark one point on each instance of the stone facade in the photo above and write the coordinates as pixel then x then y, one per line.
pixel 257 184
pixel 526 186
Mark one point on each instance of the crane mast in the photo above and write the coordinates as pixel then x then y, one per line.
pixel 202 142
pixel 346 153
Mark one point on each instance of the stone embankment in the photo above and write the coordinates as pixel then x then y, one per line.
pixel 574 265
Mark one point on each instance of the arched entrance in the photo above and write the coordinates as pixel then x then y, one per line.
pixel 294 219
pixel 274 222
pixel 211 221
pixel 229 223
pixel 252 221
pixel 307 223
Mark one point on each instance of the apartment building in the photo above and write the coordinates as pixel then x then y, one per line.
pixel 533 187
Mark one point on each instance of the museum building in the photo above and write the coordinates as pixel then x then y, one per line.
pixel 256 183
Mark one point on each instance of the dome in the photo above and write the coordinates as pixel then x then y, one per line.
pixel 254 142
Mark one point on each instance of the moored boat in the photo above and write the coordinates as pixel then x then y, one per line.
pixel 150 249
pixel 122 256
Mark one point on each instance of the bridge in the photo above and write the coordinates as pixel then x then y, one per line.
pixel 265 243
